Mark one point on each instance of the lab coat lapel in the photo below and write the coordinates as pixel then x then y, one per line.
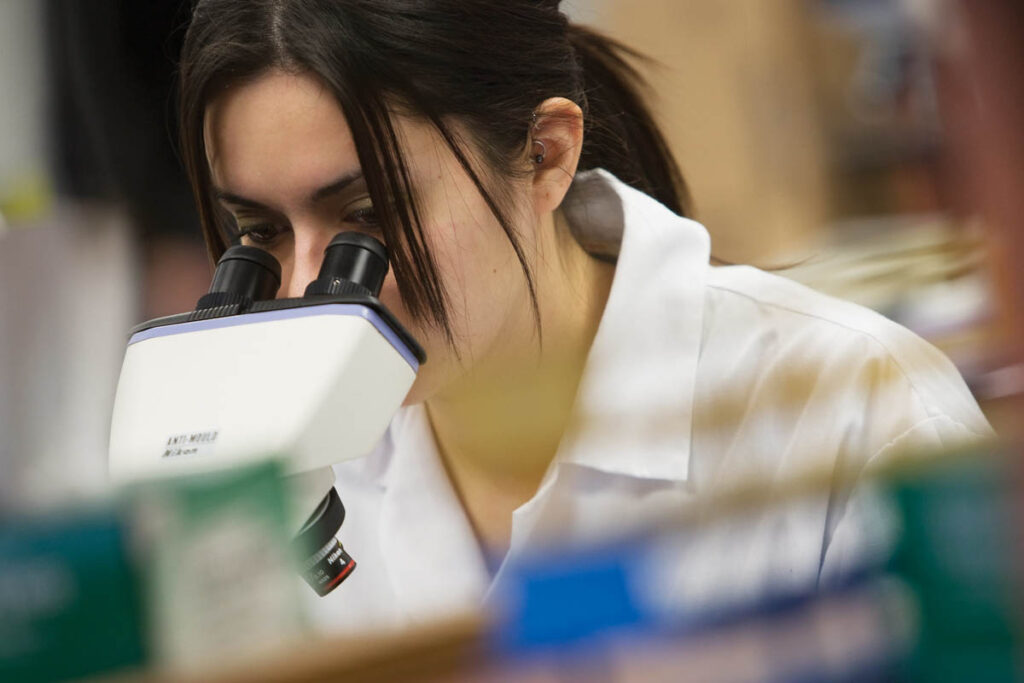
pixel 586 505
pixel 431 554
pixel 578 506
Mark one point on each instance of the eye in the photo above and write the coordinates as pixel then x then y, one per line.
pixel 364 215
pixel 261 234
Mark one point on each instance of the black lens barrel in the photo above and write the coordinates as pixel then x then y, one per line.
pixel 248 271
pixel 351 258
pixel 243 274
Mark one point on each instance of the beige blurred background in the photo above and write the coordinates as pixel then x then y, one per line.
pixel 735 96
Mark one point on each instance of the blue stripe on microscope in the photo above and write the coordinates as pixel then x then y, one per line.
pixel 285 314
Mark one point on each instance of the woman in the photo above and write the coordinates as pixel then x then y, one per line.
pixel 587 370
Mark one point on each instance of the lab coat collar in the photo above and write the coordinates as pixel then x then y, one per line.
pixel 635 402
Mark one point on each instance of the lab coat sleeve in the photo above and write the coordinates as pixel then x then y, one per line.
pixel 864 525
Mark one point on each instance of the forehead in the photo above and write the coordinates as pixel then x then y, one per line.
pixel 281 132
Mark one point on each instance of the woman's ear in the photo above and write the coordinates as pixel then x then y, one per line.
pixel 555 144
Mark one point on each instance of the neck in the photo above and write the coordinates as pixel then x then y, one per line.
pixel 499 428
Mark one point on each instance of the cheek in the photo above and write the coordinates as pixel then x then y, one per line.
pixel 389 297
pixel 463 265
pixel 487 294
pixel 472 264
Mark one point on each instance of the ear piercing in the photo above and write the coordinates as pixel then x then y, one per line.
pixel 539 158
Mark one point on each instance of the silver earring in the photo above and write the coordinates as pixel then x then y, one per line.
pixel 539 158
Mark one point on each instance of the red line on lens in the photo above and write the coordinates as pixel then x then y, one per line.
pixel 344 572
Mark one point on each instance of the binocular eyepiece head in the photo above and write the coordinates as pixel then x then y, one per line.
pixel 353 263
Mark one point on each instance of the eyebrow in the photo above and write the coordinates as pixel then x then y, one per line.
pixel 319 194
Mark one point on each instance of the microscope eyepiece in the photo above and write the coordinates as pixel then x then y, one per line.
pixel 353 263
pixel 243 274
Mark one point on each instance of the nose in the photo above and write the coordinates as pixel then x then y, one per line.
pixel 305 263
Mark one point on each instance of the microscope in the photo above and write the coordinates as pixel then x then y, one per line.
pixel 314 380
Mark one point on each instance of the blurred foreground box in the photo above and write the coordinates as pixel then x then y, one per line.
pixel 176 574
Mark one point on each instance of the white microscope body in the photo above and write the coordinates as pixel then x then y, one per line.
pixel 312 380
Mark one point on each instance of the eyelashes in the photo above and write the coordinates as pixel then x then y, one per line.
pixel 261 234
pixel 268 234
pixel 366 216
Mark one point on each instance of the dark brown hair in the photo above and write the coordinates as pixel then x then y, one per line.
pixel 486 64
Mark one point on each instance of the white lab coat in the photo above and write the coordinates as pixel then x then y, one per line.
pixel 698 377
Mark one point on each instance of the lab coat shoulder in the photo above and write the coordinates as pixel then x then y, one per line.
pixel 789 378
pixel 792 383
